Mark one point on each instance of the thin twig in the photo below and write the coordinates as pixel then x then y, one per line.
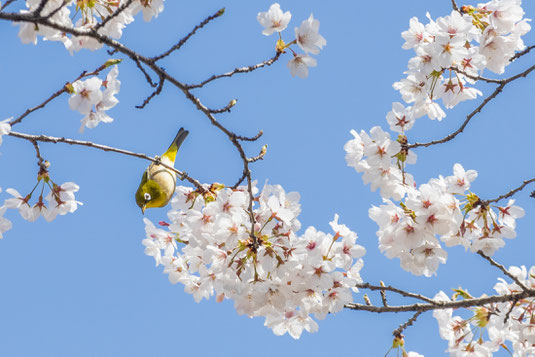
pixel 180 43
pixel 268 62
pixel 502 268
pixel 395 290
pixel 508 314
pixel 116 13
pixel 56 10
pixel 40 7
pixel 260 156
pixel 6 4
pixel 497 91
pixel 147 76
pixel 156 92
pixel 252 138
pixel 227 108
pixel 476 78
pixel 42 105
pixel 522 53
pixel 55 140
pixel 454 6
pixel 240 180
pixel 510 193
pixel 402 327
pixel 40 160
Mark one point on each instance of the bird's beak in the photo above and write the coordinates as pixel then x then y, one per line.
pixel 143 208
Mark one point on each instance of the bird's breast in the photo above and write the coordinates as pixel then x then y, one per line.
pixel 165 178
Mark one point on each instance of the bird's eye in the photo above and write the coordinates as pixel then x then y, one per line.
pixel 147 196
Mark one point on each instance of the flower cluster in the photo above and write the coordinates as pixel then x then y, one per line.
pixel 306 37
pixel 88 98
pixel 508 325
pixel 450 53
pixel 60 200
pixel 409 231
pixel 461 45
pixel 88 16
pixel 212 247
pixel 380 159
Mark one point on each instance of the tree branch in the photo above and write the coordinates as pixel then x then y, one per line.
pixel 40 160
pixel 156 92
pixel 454 6
pixel 502 268
pixel 522 53
pixel 180 43
pixel 497 91
pixel 57 94
pixel 510 193
pixel 56 10
pixel 397 332
pixel 149 62
pixel 268 62
pixel 55 140
pixel 147 76
pixel 6 4
pixel 395 290
pixel 116 13
pixel 441 305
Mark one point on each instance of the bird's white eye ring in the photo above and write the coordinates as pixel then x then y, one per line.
pixel 147 196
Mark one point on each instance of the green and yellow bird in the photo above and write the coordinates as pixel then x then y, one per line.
pixel 158 182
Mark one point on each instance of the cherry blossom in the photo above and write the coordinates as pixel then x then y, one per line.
pixel 59 201
pixel 150 8
pixel 400 118
pixel 85 95
pixel 61 198
pixel 299 64
pixel 107 101
pixel 20 203
pixel 274 20
pixel 307 36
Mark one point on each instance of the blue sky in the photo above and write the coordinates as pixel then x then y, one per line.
pixel 82 285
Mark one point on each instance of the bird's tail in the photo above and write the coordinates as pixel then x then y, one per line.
pixel 175 145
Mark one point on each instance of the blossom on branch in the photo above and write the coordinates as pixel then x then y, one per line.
pixel 299 64
pixel 88 16
pixel 307 36
pixel 85 95
pixel 451 48
pixel 150 8
pixel 60 200
pixel 271 272
pixel 88 98
pixel 274 20
pixel 503 325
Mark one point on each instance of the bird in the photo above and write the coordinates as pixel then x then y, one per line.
pixel 158 183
